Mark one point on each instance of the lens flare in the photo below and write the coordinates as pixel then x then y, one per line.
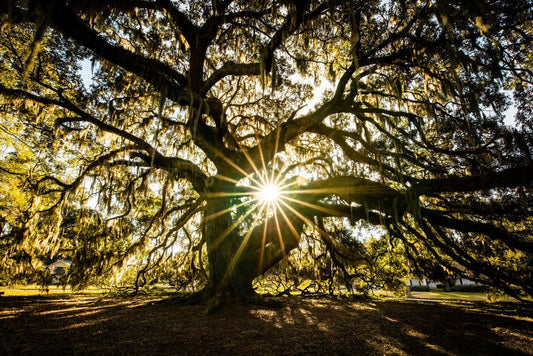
pixel 269 193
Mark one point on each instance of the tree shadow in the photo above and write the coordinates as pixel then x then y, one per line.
pixel 290 326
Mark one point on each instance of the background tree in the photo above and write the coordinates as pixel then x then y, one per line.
pixel 387 112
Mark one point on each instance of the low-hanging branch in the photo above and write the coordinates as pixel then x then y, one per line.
pixel 154 158
pixel 515 242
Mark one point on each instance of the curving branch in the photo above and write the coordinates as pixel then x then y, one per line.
pixel 182 168
pixel 64 19
pixel 230 68
pixel 515 242
pixel 339 137
pixel 187 28
pixel 506 178
pixel 83 116
pixel 350 188
pixel 302 16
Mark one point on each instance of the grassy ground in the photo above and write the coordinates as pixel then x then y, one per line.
pixel 35 290
pixel 438 294
pixel 464 296
pixel 88 325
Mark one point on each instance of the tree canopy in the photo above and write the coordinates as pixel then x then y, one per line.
pixel 229 136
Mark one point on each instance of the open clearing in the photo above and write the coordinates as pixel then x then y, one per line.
pixel 88 325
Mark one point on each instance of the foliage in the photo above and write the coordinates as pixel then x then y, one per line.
pixel 419 288
pixel 471 288
pixel 380 113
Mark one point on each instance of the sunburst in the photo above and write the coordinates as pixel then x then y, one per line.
pixel 270 197
pixel 269 193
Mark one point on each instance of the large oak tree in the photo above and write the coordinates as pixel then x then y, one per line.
pixel 390 112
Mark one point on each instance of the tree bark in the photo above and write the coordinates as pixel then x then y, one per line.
pixel 235 257
pixel 230 279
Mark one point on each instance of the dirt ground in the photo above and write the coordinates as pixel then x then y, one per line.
pixel 88 325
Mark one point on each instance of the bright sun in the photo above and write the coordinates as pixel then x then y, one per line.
pixel 269 193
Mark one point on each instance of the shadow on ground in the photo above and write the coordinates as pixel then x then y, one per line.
pixel 93 325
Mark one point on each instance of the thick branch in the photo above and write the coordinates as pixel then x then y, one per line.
pixel 350 187
pixel 230 68
pixel 289 27
pixel 153 71
pixel 187 28
pixel 352 212
pixel 507 178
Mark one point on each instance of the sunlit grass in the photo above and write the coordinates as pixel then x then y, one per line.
pixel 462 296
pixel 36 290
pixel 441 295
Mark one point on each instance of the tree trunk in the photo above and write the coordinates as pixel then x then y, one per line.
pixel 230 279
pixel 234 260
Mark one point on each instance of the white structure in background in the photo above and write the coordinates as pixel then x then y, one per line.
pixel 57 268
pixel 433 284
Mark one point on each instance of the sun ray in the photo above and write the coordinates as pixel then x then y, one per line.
pixel 278 180
pixel 227 179
pixel 227 194
pixel 252 163
pixel 242 246
pixel 227 210
pixel 337 190
pixel 296 212
pixel 234 225
pixel 314 206
pixel 280 238
pixel 282 187
pixel 263 242
pixel 289 223
pixel 306 220
pixel 234 165
pixel 262 160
